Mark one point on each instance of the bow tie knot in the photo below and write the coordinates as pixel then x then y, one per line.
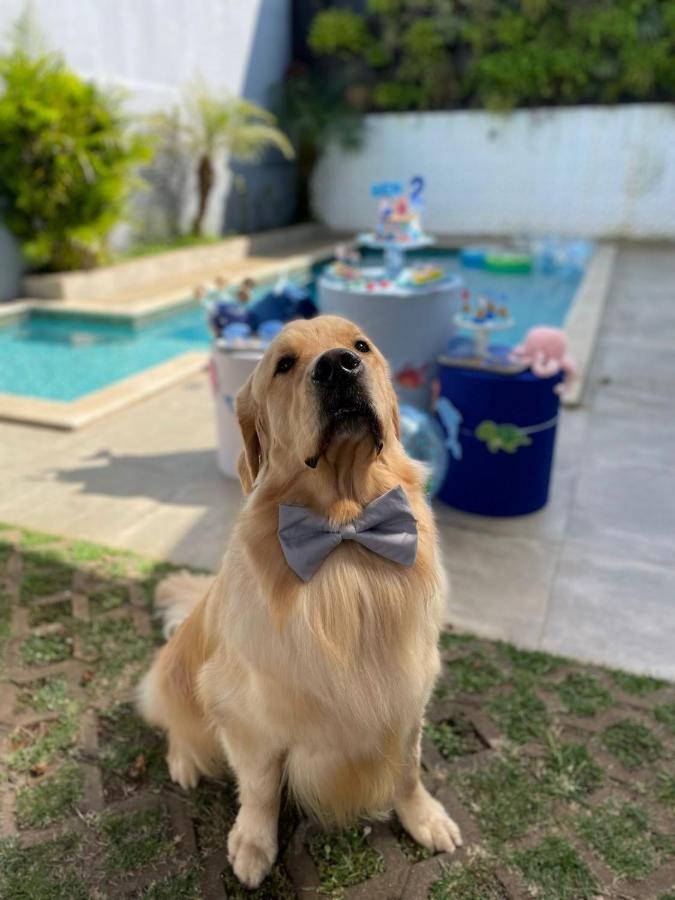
pixel 386 526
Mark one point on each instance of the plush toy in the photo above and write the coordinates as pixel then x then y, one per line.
pixel 285 302
pixel 545 351
pixel 224 313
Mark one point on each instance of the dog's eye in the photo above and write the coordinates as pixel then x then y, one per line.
pixel 361 346
pixel 285 364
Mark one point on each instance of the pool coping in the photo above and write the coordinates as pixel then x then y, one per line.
pixel 145 271
pixel 581 325
pixel 584 318
pixel 85 410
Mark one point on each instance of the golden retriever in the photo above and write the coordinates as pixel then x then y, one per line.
pixel 320 684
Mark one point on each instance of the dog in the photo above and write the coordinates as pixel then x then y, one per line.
pixel 303 668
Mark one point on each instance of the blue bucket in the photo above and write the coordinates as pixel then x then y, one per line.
pixel 501 432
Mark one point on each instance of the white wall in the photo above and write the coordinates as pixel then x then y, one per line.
pixel 153 47
pixel 591 171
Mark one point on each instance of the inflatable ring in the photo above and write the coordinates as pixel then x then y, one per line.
pixel 473 257
pixel 508 262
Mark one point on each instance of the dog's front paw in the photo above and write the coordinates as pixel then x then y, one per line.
pixel 251 852
pixel 182 769
pixel 426 820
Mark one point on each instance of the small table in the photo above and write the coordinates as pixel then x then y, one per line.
pixel 410 325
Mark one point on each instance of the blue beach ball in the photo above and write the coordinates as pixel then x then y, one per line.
pixel 424 440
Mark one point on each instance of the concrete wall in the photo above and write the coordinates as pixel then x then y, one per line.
pixel 11 265
pixel 152 48
pixel 594 171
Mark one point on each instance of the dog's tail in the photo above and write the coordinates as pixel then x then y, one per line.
pixel 177 595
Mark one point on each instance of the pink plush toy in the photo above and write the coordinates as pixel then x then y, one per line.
pixel 545 351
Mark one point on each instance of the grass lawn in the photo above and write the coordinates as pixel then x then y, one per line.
pixel 561 775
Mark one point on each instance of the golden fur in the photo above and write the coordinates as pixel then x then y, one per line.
pixel 321 685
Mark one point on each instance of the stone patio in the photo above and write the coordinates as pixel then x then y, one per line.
pixel 591 576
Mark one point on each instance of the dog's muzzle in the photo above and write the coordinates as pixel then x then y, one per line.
pixel 337 371
pixel 340 380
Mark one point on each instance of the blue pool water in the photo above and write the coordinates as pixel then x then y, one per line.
pixel 532 299
pixel 57 357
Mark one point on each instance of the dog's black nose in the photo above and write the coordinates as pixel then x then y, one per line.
pixel 335 366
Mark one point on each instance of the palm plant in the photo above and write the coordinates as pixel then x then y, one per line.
pixel 213 124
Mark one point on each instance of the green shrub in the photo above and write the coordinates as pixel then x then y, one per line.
pixel 438 54
pixel 339 31
pixel 67 160
pixel 313 111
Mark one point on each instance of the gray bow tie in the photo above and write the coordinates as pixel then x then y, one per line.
pixel 386 526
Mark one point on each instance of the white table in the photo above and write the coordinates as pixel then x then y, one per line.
pixel 410 325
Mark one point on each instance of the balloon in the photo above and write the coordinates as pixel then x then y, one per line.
pixel 424 440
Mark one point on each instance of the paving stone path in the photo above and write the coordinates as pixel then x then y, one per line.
pixel 561 775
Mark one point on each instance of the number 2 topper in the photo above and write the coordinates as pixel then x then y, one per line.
pixel 415 190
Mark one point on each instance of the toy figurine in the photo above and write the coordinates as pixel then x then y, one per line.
pixel 223 313
pixel 245 289
pixel 545 351
pixel 284 302
pixel 220 286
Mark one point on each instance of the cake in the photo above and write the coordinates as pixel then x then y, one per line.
pixel 398 221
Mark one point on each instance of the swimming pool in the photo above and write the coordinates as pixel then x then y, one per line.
pixel 62 357
pixel 54 356
pixel 534 298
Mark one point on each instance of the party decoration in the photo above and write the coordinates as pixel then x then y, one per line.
pixel 386 189
pixel 398 226
pixel 545 351
pixel 451 419
pixel 482 318
pixel 233 315
pixel 504 437
pixel 224 313
pixel 424 440
pixel 405 304
pixel 420 274
pixel 508 261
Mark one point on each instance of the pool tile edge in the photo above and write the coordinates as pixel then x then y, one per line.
pixel 81 412
pixel 584 319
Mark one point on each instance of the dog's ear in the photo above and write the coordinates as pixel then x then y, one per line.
pixel 250 459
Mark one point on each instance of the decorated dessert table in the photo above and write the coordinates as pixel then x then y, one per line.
pixel 407 307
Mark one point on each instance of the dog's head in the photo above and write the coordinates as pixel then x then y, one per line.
pixel 322 383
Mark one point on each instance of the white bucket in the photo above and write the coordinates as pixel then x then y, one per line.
pixel 229 371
